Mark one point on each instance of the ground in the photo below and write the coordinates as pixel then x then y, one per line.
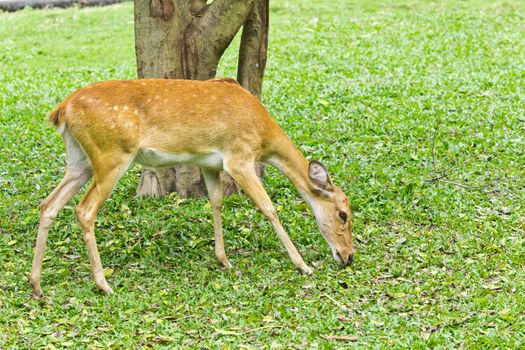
pixel 416 107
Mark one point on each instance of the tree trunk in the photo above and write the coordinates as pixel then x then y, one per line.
pixel 254 48
pixel 185 39
pixel 252 54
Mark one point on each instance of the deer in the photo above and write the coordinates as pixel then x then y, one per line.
pixel 215 124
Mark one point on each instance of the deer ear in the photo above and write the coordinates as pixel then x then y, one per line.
pixel 319 176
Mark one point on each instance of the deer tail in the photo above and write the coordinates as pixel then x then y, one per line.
pixel 58 117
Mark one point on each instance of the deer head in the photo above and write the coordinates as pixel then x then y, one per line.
pixel 332 212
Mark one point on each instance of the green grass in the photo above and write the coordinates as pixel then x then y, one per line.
pixel 416 107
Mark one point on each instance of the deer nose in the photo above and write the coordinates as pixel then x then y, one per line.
pixel 350 259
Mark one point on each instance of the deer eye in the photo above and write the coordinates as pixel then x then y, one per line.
pixel 343 216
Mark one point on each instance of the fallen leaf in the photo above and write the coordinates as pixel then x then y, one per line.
pixel 493 286
pixel 349 338
pixel 267 319
pixel 343 318
pixel 399 295
pixel 225 332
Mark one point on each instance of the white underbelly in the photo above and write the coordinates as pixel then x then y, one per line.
pixel 151 157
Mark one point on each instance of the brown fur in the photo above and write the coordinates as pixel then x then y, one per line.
pixel 225 80
pixel 168 115
pixel 56 116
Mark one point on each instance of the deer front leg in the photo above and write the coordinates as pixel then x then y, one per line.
pixel 244 174
pixel 214 187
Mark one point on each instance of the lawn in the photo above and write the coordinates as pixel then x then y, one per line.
pixel 417 109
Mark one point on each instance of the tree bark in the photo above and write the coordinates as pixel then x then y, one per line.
pixel 252 54
pixel 253 49
pixel 208 36
pixel 185 39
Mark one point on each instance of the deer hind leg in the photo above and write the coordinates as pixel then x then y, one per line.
pixel 78 172
pixel 214 187
pixel 105 177
pixel 73 181
pixel 244 174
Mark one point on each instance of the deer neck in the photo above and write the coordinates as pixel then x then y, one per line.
pixel 291 162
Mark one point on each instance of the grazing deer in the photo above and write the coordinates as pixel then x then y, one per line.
pixel 215 124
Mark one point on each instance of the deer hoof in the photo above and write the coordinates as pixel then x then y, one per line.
pixel 105 287
pixel 37 296
pixel 307 271
pixel 37 290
